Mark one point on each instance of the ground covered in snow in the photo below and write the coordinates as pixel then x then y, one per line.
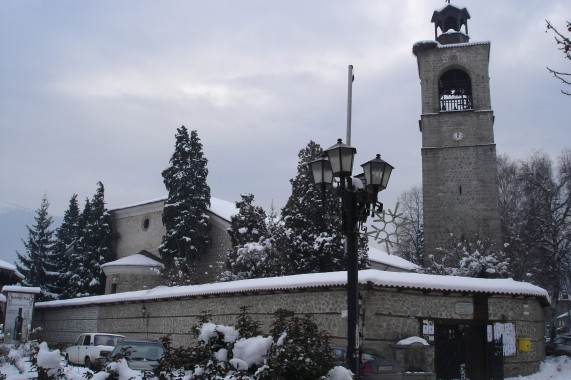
pixel 15 364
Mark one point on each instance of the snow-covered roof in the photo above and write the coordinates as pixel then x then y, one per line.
pixel 21 289
pixel 222 208
pixel 318 280
pixel 134 260
pixel 382 257
pixel 10 267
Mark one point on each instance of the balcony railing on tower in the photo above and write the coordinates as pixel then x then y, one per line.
pixel 458 102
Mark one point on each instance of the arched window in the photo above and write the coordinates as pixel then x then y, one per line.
pixel 455 91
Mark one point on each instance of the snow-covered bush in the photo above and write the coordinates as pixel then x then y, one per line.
pixel 477 258
pixel 299 351
pixel 295 348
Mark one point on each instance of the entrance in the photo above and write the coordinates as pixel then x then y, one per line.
pixel 463 352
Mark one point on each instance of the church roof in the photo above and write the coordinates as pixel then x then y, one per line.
pixel 135 260
pixel 222 208
pixel 381 257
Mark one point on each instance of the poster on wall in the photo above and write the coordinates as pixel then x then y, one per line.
pixel 19 312
pixel 507 332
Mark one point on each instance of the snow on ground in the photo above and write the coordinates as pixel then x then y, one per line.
pixel 554 368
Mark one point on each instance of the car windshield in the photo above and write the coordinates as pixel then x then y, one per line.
pixel 106 340
pixel 140 350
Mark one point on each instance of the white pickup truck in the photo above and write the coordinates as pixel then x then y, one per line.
pixel 91 346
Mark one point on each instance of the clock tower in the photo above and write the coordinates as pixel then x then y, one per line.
pixel 459 169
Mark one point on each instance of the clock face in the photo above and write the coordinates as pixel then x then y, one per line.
pixel 458 136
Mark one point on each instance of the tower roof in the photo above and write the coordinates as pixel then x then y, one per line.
pixel 450 20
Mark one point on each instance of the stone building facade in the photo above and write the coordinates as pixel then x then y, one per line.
pixel 459 168
pixel 394 306
pixel 138 232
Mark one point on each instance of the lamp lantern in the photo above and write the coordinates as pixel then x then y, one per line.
pixel 341 159
pixel 321 170
pixel 377 173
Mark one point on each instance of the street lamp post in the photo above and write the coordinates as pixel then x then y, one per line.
pixel 358 197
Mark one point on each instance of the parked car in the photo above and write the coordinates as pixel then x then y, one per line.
pixel 560 346
pixel 90 347
pixel 373 367
pixel 141 354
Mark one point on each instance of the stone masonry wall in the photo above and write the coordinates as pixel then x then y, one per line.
pixel 63 326
pixel 527 315
pixel 460 195
pixel 388 315
pixel 127 282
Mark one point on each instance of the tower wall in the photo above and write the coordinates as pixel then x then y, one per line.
pixel 459 167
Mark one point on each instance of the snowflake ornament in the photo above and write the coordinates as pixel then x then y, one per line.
pixel 399 225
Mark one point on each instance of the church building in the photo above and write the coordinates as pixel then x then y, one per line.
pixel 138 231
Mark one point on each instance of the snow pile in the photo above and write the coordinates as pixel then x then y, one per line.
pixel 340 373
pixel 412 340
pixel 252 350
pixel 48 359
pixel 210 330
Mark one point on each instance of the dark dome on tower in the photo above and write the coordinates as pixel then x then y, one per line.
pixel 450 20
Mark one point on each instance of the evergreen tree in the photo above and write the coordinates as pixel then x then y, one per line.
pixel 92 249
pixel 184 217
pixel 252 245
pixel 312 223
pixel 66 234
pixel 37 263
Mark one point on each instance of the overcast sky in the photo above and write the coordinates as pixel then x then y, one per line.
pixel 94 90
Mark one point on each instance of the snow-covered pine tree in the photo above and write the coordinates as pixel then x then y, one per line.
pixel 184 216
pixel 252 246
pixel 65 235
pixel 92 249
pixel 312 222
pixel 36 264
pixel 74 277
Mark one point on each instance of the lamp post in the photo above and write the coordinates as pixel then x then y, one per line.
pixel 358 197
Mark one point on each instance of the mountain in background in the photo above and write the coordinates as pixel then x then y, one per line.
pixel 13 222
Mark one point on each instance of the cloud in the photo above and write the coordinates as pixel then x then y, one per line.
pixel 95 90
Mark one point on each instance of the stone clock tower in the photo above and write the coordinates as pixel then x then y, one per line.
pixel 459 169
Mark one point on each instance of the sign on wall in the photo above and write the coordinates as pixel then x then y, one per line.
pixel 18 318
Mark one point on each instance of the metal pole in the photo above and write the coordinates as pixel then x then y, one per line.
pixel 349 203
pixel 349 104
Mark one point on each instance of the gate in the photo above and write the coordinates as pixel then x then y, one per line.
pixel 463 352
pixel 495 350
pixel 450 352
